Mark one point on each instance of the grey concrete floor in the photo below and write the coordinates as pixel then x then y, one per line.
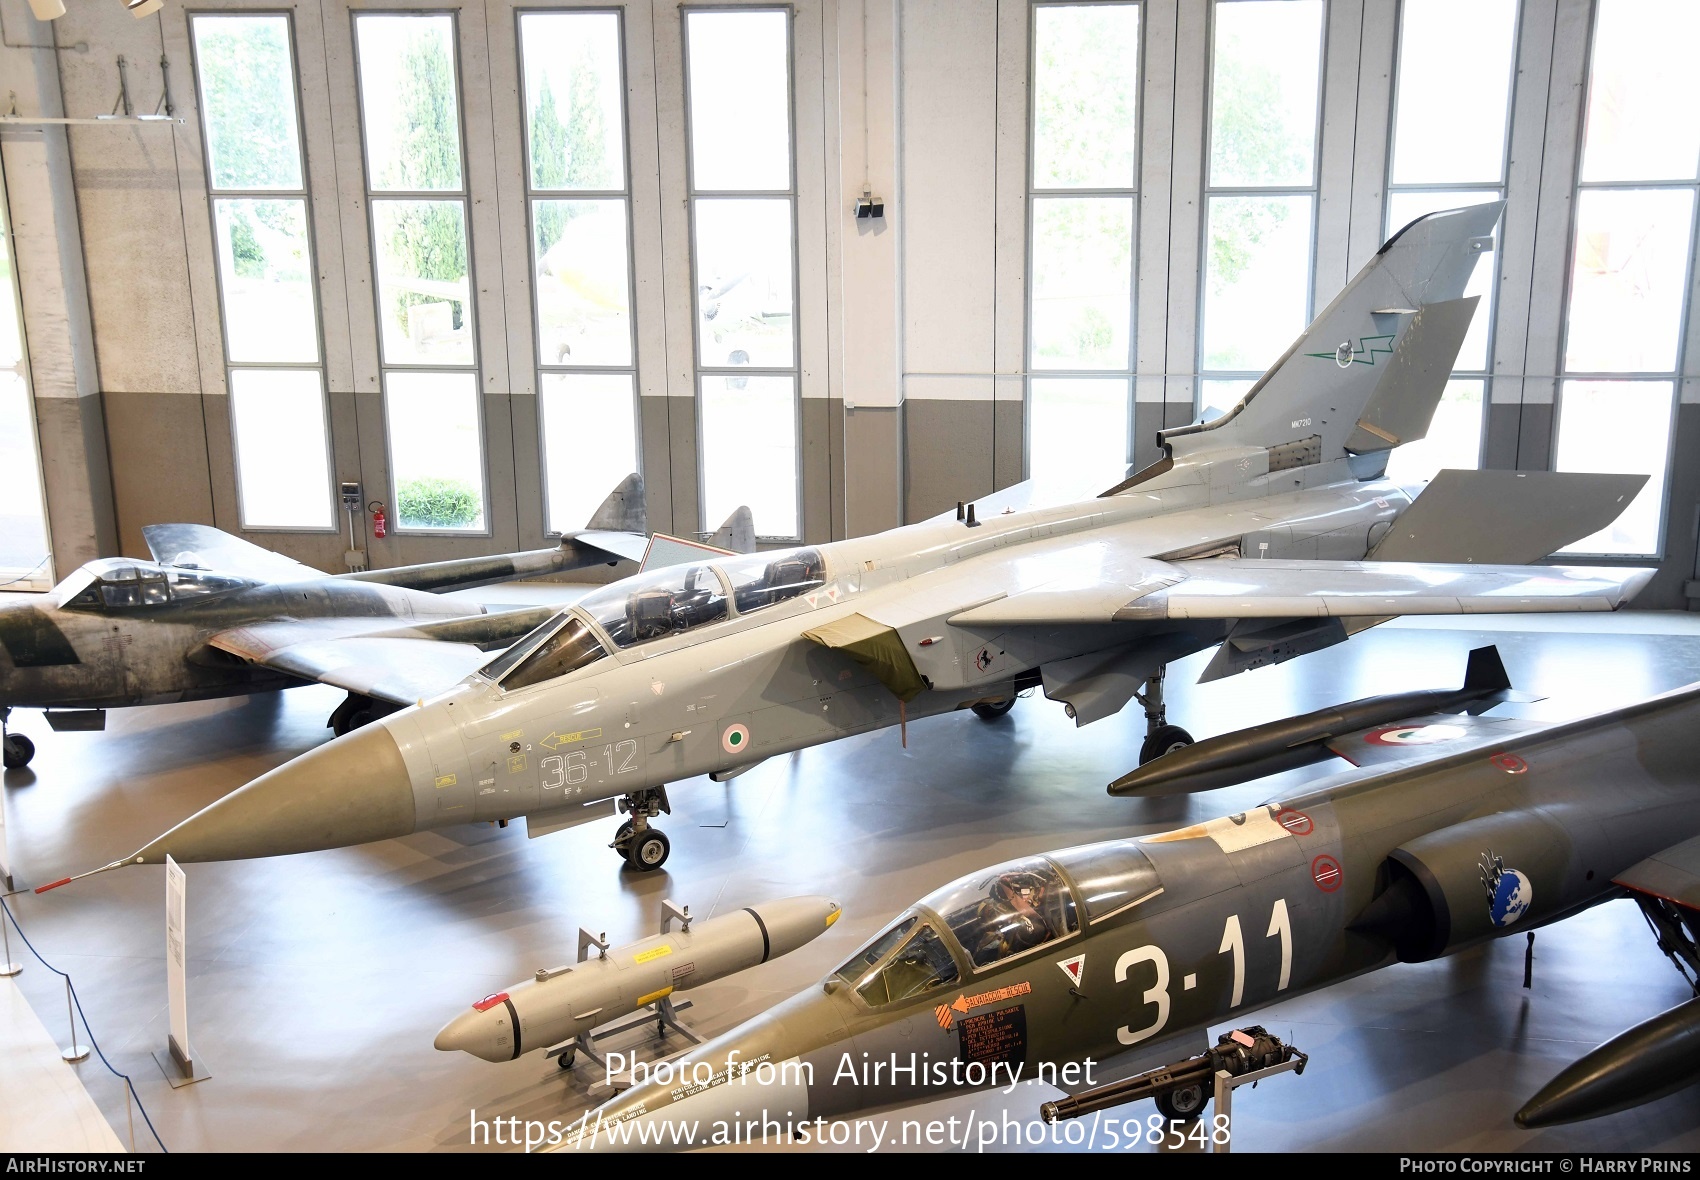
pixel 317 982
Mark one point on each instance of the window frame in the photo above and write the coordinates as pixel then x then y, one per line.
pixel 1500 190
pixel 1133 193
pixel 1674 377
pixel 42 576
pixel 464 195
pixel 692 195
pixel 305 196
pixel 532 195
pixel 1208 191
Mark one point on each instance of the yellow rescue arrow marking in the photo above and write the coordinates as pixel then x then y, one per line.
pixel 556 740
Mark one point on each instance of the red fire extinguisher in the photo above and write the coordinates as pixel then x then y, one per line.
pixel 380 527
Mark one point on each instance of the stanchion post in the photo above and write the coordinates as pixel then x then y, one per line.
pixel 7 967
pixel 76 1052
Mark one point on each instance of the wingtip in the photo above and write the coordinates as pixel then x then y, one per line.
pixel 79 876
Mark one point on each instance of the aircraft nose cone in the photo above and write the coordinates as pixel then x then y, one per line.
pixel 486 1031
pixel 352 790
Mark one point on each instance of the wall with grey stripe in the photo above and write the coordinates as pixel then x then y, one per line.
pixel 914 368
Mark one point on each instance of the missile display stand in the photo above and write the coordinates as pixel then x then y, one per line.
pixel 1242 1056
pixel 1227 1083
pixel 664 1012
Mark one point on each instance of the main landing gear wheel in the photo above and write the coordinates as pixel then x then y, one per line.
pixel 355 711
pixel 1162 740
pixel 991 711
pixel 1160 736
pixel 1183 1104
pixel 18 752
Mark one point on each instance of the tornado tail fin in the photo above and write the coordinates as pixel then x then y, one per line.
pixel 1368 372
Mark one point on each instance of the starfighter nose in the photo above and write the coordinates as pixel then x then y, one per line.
pixel 485 1030
pixel 352 790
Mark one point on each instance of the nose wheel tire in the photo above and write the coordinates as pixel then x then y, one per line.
pixel 648 850
pixel 1162 740
pixel 1183 1104
pixel 991 711
pixel 18 752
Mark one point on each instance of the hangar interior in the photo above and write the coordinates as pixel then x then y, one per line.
pixel 847 263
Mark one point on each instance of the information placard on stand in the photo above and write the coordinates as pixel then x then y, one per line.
pixel 177 1061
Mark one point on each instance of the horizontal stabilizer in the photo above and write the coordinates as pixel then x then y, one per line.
pixel 1239 588
pixel 200 546
pixel 1505 517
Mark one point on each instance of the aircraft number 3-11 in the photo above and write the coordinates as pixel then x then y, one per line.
pixel 1232 941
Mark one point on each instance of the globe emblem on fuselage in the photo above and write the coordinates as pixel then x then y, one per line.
pixel 1512 897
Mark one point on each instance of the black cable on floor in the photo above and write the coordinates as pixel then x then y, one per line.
pixel 79 1003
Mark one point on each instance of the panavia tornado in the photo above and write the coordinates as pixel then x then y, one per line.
pixel 215 616
pixel 1125 952
pixel 1251 532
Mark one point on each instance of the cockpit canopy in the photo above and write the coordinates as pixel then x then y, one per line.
pixel 119 583
pixel 997 915
pixel 655 605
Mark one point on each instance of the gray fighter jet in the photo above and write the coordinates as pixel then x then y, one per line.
pixel 215 616
pixel 1250 533
pixel 1126 951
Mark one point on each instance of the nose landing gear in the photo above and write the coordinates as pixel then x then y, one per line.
pixel 17 749
pixel 644 848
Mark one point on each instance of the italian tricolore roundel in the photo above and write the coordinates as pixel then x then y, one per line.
pixel 735 738
pixel 1412 735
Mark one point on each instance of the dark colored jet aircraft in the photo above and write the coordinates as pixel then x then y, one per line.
pixel 1126 951
pixel 215 616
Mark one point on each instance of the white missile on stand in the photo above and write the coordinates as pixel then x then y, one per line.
pixel 563 1004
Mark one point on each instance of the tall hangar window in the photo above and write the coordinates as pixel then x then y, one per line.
pixel 1451 116
pixel 1260 190
pixel 1629 270
pixel 416 196
pixel 268 297
pixel 581 257
pixel 26 556
pixel 1082 191
pixel 743 196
